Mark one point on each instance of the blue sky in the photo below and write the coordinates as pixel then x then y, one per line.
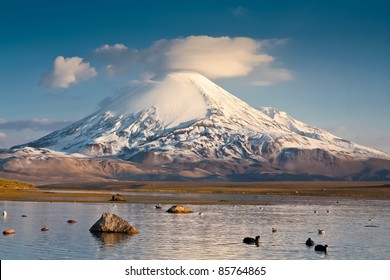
pixel 326 63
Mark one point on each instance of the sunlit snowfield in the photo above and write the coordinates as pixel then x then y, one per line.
pixel 354 229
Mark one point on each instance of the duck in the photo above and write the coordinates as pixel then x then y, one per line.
pixel 309 242
pixel 4 213
pixel 200 214
pixel 274 230
pixel 321 231
pixel 157 207
pixel 321 248
pixel 251 241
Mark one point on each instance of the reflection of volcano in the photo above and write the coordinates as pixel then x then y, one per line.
pixel 110 238
pixel 183 127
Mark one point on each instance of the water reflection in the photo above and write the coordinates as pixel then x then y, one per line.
pixel 111 238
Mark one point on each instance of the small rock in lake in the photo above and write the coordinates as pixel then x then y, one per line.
pixel 116 198
pixel 9 231
pixel 179 209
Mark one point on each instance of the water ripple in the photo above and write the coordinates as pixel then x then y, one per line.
pixel 354 229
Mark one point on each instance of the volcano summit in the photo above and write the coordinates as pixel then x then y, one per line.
pixel 182 126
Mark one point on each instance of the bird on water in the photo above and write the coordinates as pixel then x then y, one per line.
pixel 251 241
pixel 309 242
pixel 321 248
pixel 321 231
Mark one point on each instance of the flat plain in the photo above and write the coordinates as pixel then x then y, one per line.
pixel 184 192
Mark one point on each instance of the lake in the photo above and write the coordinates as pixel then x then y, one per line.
pixel 354 229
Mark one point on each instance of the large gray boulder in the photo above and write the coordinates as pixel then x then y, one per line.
pixel 113 223
pixel 179 209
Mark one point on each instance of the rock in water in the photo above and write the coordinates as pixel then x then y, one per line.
pixel 9 231
pixel 113 223
pixel 179 209
pixel 117 198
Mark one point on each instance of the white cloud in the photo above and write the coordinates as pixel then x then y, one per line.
pixel 214 57
pixel 108 47
pixel 67 71
pixel 221 57
pixel 118 59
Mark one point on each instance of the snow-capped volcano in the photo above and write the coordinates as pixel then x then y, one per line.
pixel 184 121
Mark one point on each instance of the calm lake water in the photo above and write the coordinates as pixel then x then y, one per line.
pixel 354 229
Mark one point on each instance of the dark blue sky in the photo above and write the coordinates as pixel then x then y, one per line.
pixel 337 53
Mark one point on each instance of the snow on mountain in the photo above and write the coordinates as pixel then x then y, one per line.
pixel 184 118
pixel 320 138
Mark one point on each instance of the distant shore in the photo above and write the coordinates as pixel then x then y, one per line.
pixel 195 192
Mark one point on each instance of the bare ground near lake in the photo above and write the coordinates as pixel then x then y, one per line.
pixel 195 192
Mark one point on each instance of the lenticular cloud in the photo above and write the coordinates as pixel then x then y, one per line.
pixel 214 57
pixel 221 57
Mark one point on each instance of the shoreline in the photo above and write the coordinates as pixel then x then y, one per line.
pixel 197 192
